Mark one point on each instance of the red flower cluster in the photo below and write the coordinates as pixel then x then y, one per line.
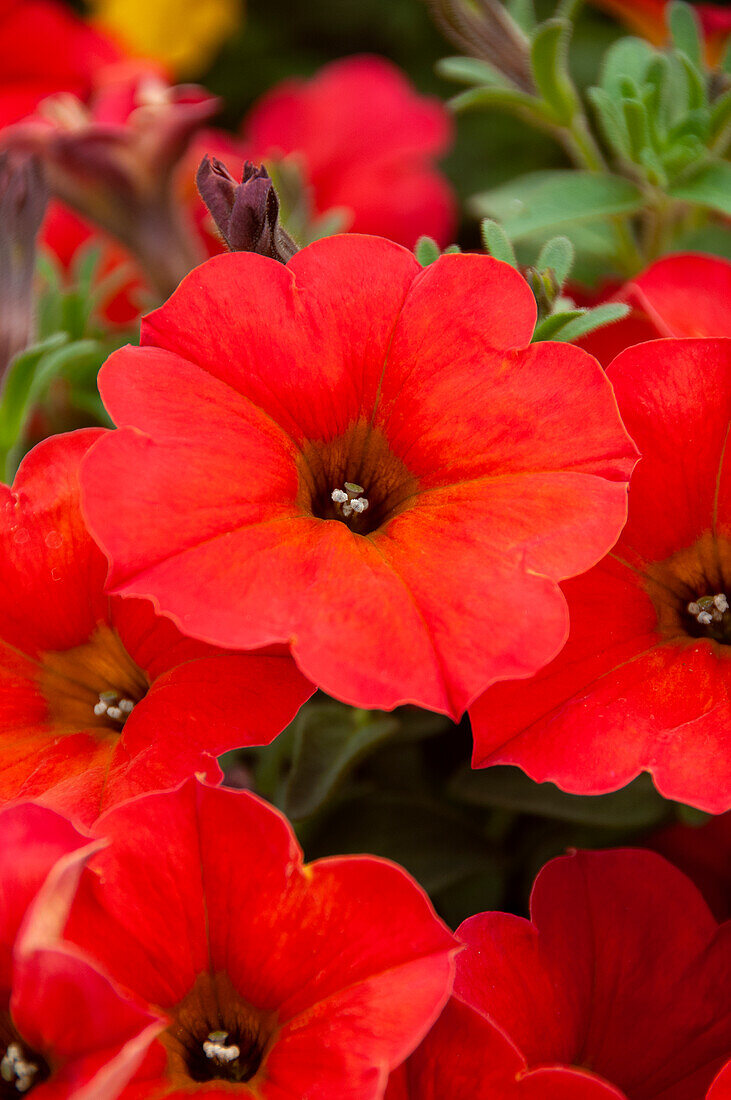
pixel 335 468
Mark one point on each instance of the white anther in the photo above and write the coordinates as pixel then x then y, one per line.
pixel 115 713
pixel 14 1068
pixel 100 708
pixel 219 1052
pixel 721 602
pixel 704 618
pixel 126 706
pixel 693 608
pixel 359 504
pixel 338 496
pixel 347 510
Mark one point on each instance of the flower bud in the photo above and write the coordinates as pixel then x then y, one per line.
pixel 114 160
pixel 23 199
pixel 247 213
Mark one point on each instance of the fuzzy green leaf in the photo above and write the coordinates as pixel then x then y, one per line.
pixel 592 320
pixel 558 255
pixel 549 326
pixel 685 31
pixel 426 251
pixel 628 58
pixel 542 202
pixel 470 70
pixel 549 62
pixel 497 242
pixel 710 187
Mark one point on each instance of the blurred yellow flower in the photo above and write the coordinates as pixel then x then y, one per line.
pixel 183 34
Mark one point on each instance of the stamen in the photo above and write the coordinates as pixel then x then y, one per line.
pixel 111 706
pixel 349 501
pixel 217 1049
pixel 15 1070
pixel 708 609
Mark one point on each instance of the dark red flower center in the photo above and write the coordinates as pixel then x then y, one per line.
pixel 216 1035
pixel 355 478
pixel 691 591
pixel 92 685
pixel 21 1069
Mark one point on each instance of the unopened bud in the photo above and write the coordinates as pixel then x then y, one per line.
pixel 247 213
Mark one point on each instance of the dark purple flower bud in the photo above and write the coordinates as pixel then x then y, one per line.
pixel 247 213
pixel 23 200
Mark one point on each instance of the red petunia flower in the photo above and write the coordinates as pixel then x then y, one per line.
pixel 616 988
pixel 362 459
pixel 367 142
pixel 284 979
pixel 642 683
pixel 65 1033
pixel 686 294
pixel 44 49
pixel 97 694
pixel 649 18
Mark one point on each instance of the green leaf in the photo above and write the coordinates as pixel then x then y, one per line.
pixel 497 243
pixel 549 326
pixel 549 63
pixel 527 106
pixel 426 251
pixel 545 201
pixel 611 119
pixel 697 97
pixel 28 378
pixel 558 256
pixel 636 806
pixel 635 119
pixel 685 31
pixel 17 388
pixel 627 58
pixel 328 742
pixel 710 187
pixel 470 70
pixel 593 319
